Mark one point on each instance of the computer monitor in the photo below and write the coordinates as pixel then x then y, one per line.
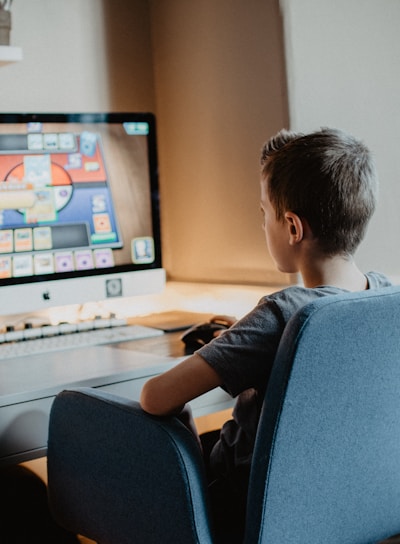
pixel 79 209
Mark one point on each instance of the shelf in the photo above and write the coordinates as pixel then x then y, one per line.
pixel 9 54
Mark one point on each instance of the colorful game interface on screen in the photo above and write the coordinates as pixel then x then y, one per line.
pixel 57 211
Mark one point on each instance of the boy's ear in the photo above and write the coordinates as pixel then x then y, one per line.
pixel 295 228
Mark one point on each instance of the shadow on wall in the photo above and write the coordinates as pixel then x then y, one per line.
pixel 129 56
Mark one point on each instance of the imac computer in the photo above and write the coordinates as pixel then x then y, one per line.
pixel 79 209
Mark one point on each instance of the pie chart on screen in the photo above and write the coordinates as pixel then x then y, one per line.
pixel 61 183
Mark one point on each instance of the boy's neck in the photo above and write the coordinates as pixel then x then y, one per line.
pixel 337 271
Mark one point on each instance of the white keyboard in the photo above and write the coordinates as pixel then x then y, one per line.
pixel 56 338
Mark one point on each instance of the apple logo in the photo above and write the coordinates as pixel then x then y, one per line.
pixel 46 295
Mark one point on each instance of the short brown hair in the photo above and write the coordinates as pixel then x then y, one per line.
pixel 329 178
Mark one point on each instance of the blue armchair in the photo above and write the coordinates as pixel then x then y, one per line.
pixel 326 466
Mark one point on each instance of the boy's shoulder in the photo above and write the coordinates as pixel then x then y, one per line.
pixel 377 280
pixel 292 298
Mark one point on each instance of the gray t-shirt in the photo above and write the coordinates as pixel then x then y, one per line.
pixel 243 357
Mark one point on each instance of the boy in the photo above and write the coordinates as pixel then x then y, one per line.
pixel 318 193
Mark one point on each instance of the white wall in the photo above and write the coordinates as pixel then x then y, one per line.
pixel 90 55
pixel 213 71
pixel 344 71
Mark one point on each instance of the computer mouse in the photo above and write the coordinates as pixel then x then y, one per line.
pixel 201 334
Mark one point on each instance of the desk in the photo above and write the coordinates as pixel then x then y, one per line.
pixel 27 392
pixel 24 410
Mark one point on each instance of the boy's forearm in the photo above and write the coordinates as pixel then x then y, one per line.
pixel 167 393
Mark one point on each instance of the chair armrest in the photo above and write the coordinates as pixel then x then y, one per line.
pixel 116 473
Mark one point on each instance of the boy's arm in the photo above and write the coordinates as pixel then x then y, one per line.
pixel 167 393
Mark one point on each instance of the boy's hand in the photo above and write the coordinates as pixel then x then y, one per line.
pixel 227 320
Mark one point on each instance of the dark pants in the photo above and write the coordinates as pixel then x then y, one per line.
pixel 227 505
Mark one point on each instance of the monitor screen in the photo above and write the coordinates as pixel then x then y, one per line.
pixel 79 209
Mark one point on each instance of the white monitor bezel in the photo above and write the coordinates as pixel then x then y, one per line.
pixel 28 295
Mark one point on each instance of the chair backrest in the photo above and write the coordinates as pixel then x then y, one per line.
pixel 120 476
pixel 326 465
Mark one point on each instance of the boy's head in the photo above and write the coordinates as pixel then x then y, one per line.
pixel 327 178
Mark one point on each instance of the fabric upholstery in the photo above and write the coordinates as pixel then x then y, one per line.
pixel 327 460
pixel 118 475
pixel 326 466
